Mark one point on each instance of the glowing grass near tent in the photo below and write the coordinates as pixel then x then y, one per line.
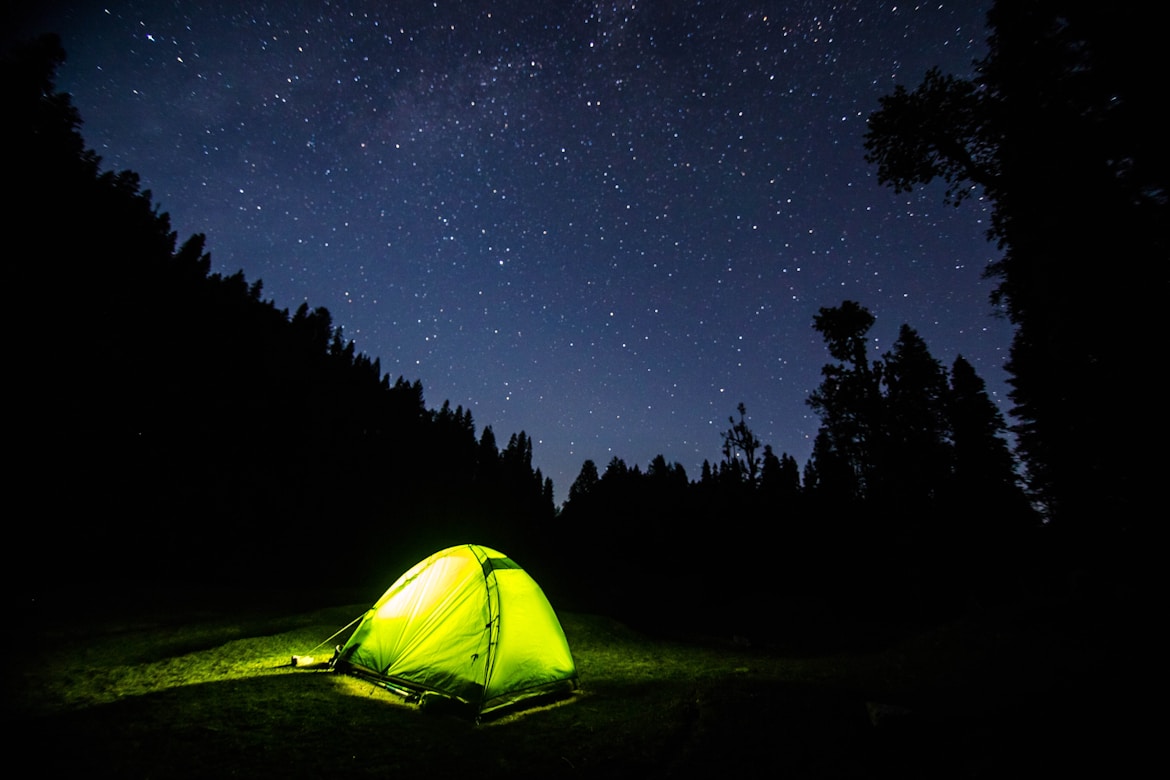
pixel 187 690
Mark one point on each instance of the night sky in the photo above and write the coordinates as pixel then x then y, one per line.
pixel 602 223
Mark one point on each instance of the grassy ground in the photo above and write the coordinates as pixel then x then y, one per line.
pixel 203 688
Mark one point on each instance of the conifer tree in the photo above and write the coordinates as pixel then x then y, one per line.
pixel 914 455
pixel 1060 132
pixel 848 401
pixel 985 471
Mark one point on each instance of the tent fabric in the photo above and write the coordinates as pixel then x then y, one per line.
pixel 466 623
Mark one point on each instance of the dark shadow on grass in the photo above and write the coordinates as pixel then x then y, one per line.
pixel 705 713
pixel 306 725
pixel 301 725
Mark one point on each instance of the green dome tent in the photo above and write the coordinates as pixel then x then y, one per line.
pixel 466 624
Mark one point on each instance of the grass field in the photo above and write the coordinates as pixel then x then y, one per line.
pixel 199 687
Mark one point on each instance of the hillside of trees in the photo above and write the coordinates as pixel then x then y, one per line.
pixel 170 422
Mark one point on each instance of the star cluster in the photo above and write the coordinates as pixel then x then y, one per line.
pixel 602 223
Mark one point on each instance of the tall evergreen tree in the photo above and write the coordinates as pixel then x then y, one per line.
pixel 1059 130
pixel 913 449
pixel 779 477
pixel 848 400
pixel 986 476
pixel 584 485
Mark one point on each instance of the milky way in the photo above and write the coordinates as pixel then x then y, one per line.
pixel 605 224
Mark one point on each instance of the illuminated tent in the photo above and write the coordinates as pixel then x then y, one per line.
pixel 466 624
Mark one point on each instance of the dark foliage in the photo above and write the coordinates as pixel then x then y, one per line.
pixel 170 423
pixel 1060 131
pixel 911 509
pixel 175 424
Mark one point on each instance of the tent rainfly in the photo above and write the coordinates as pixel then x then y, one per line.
pixel 466 624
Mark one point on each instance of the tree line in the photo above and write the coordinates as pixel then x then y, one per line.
pixel 911 507
pixel 168 421
pixel 1058 132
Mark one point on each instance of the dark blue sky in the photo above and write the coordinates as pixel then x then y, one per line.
pixel 605 224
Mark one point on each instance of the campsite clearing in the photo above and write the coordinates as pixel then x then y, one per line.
pixel 195 690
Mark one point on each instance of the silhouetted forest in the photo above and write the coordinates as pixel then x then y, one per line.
pixel 170 422
pixel 911 508
pixel 1059 131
